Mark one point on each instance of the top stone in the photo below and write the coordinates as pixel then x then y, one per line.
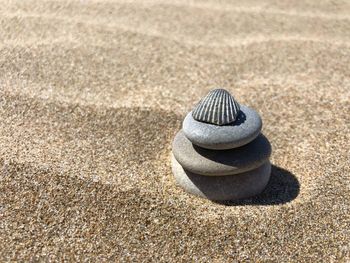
pixel 243 130
pixel 218 108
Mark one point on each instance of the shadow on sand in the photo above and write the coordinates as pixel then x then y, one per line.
pixel 282 188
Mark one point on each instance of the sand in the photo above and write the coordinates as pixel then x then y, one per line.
pixel 92 93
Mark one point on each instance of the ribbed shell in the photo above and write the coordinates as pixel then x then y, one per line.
pixel 218 107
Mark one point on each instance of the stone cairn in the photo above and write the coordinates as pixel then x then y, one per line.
pixel 220 153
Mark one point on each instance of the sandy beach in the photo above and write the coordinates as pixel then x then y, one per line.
pixel 92 93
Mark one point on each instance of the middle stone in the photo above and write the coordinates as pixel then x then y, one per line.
pixel 223 162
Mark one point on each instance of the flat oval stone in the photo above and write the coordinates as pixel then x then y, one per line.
pixel 213 162
pixel 222 188
pixel 246 128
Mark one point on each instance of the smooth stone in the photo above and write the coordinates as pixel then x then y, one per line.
pixel 245 129
pixel 224 162
pixel 221 188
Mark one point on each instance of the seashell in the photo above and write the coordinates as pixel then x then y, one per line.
pixel 218 107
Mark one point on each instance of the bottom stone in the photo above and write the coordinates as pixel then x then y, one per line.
pixel 227 187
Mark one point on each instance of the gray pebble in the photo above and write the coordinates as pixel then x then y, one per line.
pixel 224 162
pixel 245 129
pixel 220 188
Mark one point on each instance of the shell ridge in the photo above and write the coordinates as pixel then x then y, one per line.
pixel 201 107
pixel 223 97
pixel 210 112
pixel 231 108
pixel 209 103
pixel 213 112
pixel 227 110
pixel 216 107
pixel 236 106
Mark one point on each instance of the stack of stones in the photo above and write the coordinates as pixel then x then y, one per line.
pixel 220 153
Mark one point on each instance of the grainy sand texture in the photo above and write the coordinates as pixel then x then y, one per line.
pixel 92 93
